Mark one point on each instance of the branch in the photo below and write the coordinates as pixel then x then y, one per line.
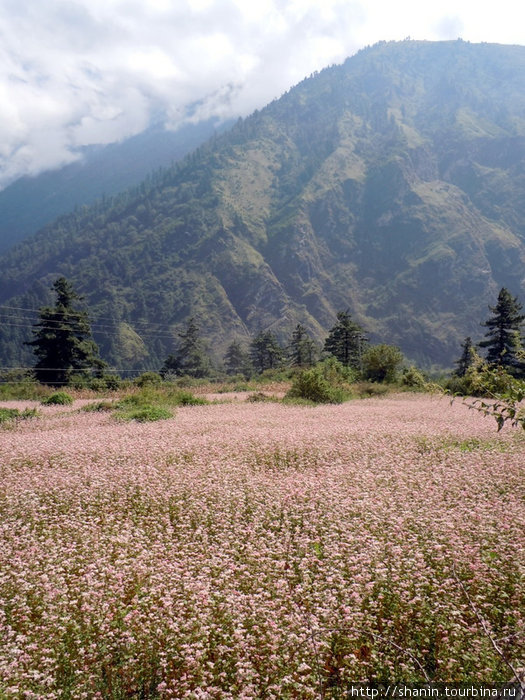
pixel 515 672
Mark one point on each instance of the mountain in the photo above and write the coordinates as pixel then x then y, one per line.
pixel 391 185
pixel 30 203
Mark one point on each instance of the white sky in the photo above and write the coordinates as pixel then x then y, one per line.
pixel 79 72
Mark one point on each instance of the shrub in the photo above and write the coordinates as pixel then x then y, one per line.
pixel 59 398
pixel 146 413
pixel 369 389
pixel 413 378
pixel 186 398
pixel 381 362
pixel 148 379
pixel 259 396
pixel 480 380
pixel 312 385
pixel 8 414
pixel 12 414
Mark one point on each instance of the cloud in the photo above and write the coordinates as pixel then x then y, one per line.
pixel 81 72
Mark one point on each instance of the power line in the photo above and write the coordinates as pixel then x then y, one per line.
pixel 99 318
pixel 70 369
pixel 160 336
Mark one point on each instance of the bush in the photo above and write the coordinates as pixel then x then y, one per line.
pixel 381 362
pixel 413 378
pixel 146 413
pixel 312 385
pixel 186 398
pixel 480 380
pixel 108 382
pixel 12 414
pixel 17 384
pixel 259 397
pixel 148 379
pixel 59 398
pixel 369 389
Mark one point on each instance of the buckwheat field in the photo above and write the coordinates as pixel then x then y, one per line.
pixel 259 550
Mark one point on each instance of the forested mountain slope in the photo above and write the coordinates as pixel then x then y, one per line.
pixel 30 203
pixel 391 185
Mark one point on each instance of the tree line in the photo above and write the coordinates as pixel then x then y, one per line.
pixel 65 350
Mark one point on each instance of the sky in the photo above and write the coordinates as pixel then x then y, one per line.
pixel 80 72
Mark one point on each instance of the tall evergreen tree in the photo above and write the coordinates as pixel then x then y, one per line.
pixel 191 357
pixel 346 341
pixel 265 351
pixel 468 354
pixel 62 339
pixel 237 360
pixel 504 333
pixel 301 348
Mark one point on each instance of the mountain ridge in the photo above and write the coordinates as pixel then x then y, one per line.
pixel 389 185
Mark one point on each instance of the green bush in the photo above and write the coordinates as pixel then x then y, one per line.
pixel 108 382
pixel 381 362
pixel 17 384
pixel 370 389
pixel 146 413
pixel 12 414
pixel 148 379
pixel 480 380
pixel 260 397
pixel 59 398
pixel 413 378
pixel 186 398
pixel 313 386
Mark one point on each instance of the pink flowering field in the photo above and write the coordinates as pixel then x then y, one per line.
pixel 259 550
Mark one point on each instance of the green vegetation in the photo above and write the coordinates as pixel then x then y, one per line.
pixel 341 194
pixel 151 402
pixel 10 415
pixel 327 382
pixel 58 398
pixel 503 336
pixel 62 342
pixel 381 363
pixel 144 414
pixel 346 341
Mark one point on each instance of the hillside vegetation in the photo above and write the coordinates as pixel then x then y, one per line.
pixel 390 185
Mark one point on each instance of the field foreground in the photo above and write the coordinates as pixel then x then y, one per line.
pixel 259 550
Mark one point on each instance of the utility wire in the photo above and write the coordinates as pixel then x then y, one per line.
pixel 99 318
pixel 164 336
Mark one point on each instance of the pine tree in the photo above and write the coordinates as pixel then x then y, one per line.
pixel 62 342
pixel 265 351
pixel 191 357
pixel 301 348
pixel 237 360
pixel 504 334
pixel 466 360
pixel 346 340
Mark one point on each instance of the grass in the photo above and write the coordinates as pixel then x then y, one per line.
pixel 10 415
pixel 149 403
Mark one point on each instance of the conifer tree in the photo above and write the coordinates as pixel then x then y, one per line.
pixel 265 351
pixel 62 339
pixel 468 354
pixel 191 357
pixel 504 334
pixel 346 340
pixel 301 348
pixel 237 360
